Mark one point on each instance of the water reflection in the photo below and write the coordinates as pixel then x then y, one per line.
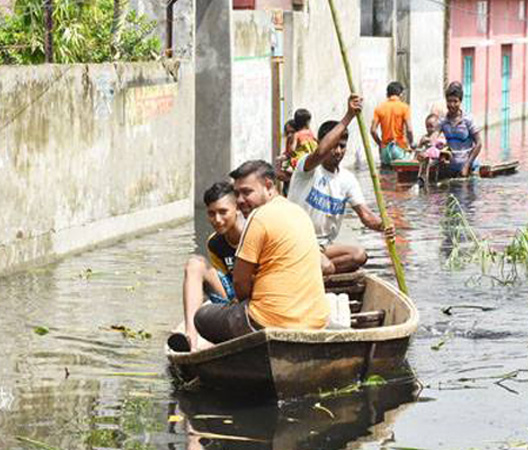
pixel 332 423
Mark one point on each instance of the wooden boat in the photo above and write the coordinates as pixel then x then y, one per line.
pixel 407 170
pixel 506 168
pixel 290 363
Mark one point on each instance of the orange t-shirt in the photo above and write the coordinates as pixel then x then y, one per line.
pixel 288 290
pixel 391 115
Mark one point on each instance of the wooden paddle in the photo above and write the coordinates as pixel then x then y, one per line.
pixel 398 268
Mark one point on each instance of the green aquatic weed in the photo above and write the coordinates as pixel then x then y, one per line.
pixel 41 331
pixel 375 380
pixel 129 333
pixel 466 247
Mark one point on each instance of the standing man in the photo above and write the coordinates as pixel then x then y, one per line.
pixel 322 188
pixel 394 117
pixel 277 274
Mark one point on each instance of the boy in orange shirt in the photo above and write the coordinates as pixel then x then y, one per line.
pixel 394 117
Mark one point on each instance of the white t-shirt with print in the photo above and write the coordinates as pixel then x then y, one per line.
pixel 324 195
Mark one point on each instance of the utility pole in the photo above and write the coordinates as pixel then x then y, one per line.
pixel 116 27
pixel 168 29
pixel 48 30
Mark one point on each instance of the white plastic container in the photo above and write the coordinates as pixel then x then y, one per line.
pixel 343 310
pixel 339 309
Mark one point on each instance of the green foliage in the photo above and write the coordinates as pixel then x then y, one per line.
pixel 82 33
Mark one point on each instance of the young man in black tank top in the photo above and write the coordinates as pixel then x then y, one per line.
pixel 216 276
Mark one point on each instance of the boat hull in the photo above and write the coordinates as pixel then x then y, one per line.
pixel 288 363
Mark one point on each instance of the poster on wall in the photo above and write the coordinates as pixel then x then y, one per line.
pixel 252 110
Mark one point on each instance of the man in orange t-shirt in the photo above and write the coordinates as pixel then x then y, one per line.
pixel 394 117
pixel 277 275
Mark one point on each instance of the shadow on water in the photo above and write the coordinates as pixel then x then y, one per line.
pixel 219 422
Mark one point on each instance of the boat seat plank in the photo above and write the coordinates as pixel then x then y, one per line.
pixel 355 306
pixel 344 279
pixel 369 319
pixel 354 292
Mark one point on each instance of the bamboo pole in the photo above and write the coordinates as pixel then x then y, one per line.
pixel 391 246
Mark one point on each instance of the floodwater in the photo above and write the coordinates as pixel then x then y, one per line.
pixel 84 385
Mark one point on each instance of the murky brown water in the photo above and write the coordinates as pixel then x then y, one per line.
pixel 84 386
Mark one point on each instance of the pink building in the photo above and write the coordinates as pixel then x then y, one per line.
pixel 487 52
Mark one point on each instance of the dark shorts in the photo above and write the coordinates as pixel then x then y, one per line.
pixel 222 322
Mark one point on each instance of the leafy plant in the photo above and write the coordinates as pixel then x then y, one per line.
pixel 82 33
pixel 502 266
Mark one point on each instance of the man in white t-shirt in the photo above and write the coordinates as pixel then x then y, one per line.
pixel 323 189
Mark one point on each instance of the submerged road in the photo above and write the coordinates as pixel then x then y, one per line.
pixel 80 384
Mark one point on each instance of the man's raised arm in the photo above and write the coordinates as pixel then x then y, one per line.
pixel 330 141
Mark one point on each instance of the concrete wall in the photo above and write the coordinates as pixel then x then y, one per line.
pixel 427 22
pixel 213 92
pixel 377 70
pixel 91 153
pixel 183 23
pixel 314 76
pixel 252 87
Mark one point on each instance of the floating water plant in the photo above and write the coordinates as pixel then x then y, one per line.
pixel 371 381
pixel 41 330
pixel 502 266
pixel 130 333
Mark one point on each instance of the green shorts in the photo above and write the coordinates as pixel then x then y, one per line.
pixel 392 152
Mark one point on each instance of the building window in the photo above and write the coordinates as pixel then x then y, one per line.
pixel 482 16
pixel 506 51
pixel 522 10
pixel 468 76
pixel 377 17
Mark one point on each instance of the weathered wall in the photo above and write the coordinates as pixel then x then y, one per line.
pixel 427 60
pixel 377 70
pixel 213 92
pixel 91 153
pixel 182 27
pixel 314 75
pixel 252 86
